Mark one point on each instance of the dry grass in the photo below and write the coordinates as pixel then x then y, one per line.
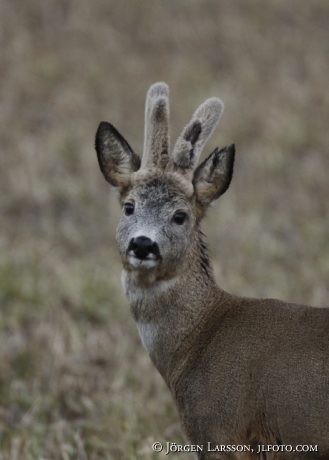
pixel 75 382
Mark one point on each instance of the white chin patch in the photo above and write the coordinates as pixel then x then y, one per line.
pixel 138 263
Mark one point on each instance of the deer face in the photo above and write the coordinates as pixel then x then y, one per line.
pixel 156 226
pixel 164 197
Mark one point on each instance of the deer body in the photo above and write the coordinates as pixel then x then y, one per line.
pixel 242 371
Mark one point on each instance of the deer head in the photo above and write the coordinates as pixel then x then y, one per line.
pixel 165 195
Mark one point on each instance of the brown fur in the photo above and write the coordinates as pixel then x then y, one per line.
pixel 242 371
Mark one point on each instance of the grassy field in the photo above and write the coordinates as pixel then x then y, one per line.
pixel 75 382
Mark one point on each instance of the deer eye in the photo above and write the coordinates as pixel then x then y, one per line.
pixel 129 209
pixel 179 218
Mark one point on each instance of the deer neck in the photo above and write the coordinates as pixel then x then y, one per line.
pixel 169 312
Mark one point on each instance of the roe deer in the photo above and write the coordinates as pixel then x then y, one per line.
pixel 243 372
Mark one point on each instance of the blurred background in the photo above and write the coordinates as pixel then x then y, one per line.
pixel 75 382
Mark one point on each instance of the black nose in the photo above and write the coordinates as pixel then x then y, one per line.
pixel 143 246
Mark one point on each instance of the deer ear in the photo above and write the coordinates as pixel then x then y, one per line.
pixel 117 160
pixel 212 177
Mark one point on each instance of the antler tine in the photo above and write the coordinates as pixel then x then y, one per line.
pixel 156 140
pixel 190 143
